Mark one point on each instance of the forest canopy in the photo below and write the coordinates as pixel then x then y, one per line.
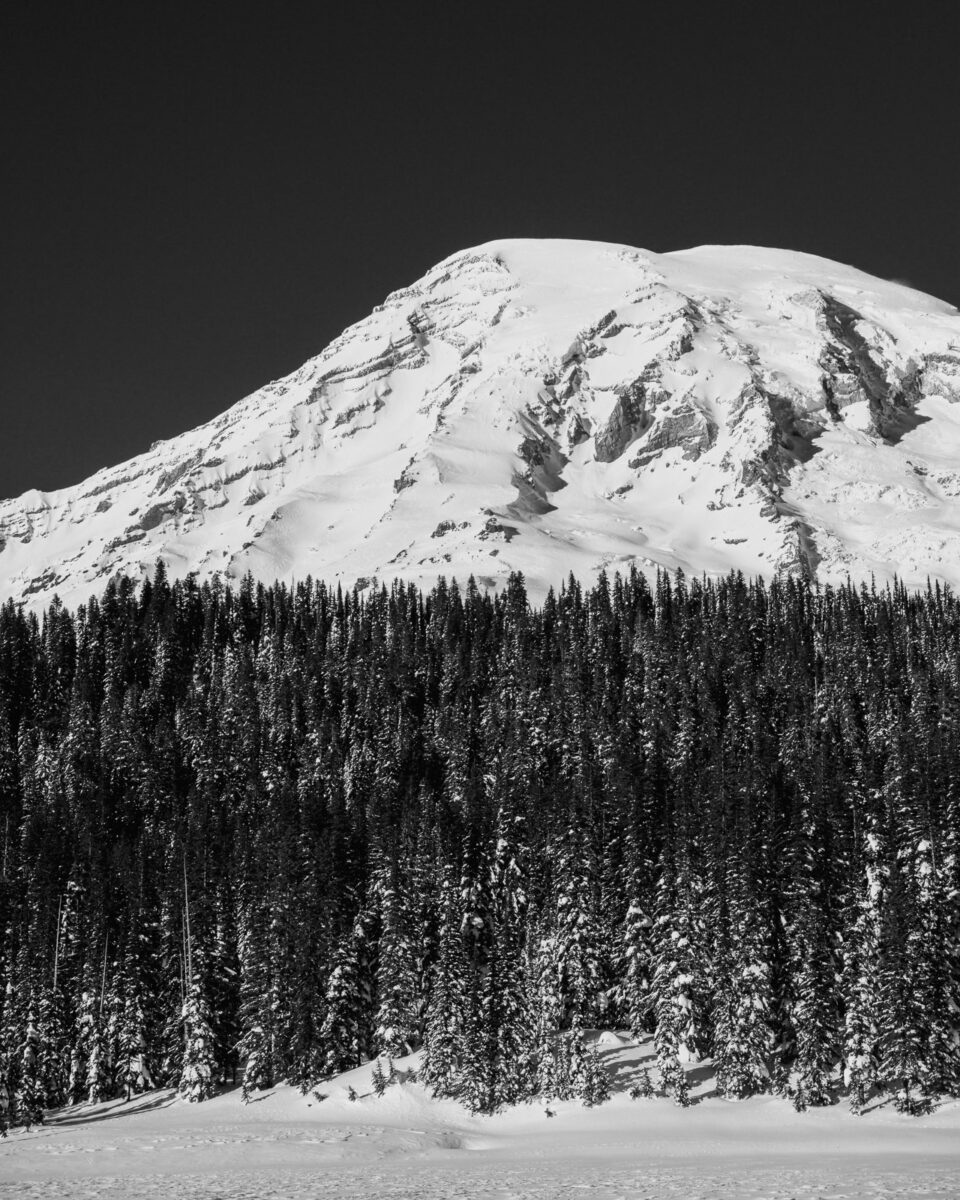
pixel 264 833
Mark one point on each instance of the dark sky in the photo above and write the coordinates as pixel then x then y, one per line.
pixel 197 199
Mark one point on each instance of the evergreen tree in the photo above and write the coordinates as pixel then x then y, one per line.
pixel 444 1050
pixel 198 1076
pixel 397 1029
pixel 815 1018
pixel 861 982
pixel 94 1050
pixel 348 1004
pixel 30 1096
pixel 644 1089
pixel 133 1071
pixel 259 1059
pixel 741 1037
pixel 678 981
pixel 596 1084
pixel 8 1073
pixel 552 1078
pixel 637 974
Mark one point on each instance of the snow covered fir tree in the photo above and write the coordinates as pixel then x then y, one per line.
pixel 266 833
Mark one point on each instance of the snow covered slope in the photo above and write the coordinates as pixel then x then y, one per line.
pixel 405 1144
pixel 552 406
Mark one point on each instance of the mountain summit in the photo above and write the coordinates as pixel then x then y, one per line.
pixel 556 406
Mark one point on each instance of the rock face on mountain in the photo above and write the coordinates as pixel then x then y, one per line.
pixel 554 406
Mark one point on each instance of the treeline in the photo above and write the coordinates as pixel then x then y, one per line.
pixel 263 833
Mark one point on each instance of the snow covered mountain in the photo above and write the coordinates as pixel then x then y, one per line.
pixel 556 406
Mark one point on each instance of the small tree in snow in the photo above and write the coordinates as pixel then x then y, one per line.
pixel 595 1088
pixel 379 1079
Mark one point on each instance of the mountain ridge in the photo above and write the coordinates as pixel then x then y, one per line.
pixel 551 406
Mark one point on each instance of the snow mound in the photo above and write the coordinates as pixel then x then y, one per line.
pixel 607 1037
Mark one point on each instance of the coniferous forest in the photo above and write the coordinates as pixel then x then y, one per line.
pixel 262 834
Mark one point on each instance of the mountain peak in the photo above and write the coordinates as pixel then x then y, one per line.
pixel 549 406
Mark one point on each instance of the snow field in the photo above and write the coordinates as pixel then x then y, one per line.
pixel 405 1144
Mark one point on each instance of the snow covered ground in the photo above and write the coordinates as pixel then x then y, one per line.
pixel 404 1144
